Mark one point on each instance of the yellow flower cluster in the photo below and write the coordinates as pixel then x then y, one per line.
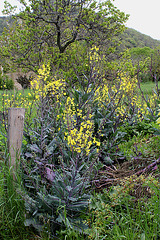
pixel 79 128
pixel 117 93
pixel 127 84
pixel 123 95
pixel 126 93
pixel 94 56
pixel 158 120
pixel 82 138
pixel 101 94
pixel 43 85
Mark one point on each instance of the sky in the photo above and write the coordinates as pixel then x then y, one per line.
pixel 144 14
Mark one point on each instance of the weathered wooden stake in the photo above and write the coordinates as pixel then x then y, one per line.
pixel 15 133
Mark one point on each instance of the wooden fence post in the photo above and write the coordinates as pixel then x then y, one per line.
pixel 15 133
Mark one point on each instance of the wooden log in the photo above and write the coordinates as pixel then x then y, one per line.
pixel 15 133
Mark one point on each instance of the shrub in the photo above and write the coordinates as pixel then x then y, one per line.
pixel 56 174
pixel 6 83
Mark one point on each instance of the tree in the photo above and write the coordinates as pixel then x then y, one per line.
pixel 155 65
pixel 141 53
pixel 50 27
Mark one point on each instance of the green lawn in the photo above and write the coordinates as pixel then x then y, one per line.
pixel 148 87
pixel 14 94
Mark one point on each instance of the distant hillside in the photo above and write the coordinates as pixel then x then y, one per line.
pixel 4 22
pixel 132 38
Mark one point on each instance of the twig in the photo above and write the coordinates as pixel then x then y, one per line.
pixel 107 181
pixel 149 166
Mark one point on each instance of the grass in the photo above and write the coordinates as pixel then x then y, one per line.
pixel 148 87
pixel 14 94
pixel 122 214
pixel 11 207
pixel 140 220
pixel 147 146
pixel 137 224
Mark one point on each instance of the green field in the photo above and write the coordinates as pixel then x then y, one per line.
pixel 149 87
